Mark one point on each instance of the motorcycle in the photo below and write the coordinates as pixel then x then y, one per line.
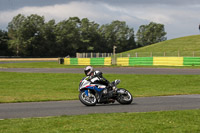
pixel 91 94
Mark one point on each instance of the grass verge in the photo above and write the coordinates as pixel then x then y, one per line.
pixel 56 65
pixel 174 47
pixel 24 87
pixel 36 65
pixel 162 122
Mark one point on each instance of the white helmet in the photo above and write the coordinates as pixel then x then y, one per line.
pixel 88 70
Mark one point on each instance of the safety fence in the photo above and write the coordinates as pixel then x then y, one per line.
pixel 158 61
pixel 88 61
pixel 133 61
pixel 93 55
pixel 177 53
pixel 136 61
pixel 191 61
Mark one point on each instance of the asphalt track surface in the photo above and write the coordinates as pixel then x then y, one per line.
pixel 5 62
pixel 58 108
pixel 121 70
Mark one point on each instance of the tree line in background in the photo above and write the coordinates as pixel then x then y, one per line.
pixel 32 36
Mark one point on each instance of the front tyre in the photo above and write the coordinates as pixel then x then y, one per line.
pixel 89 100
pixel 124 96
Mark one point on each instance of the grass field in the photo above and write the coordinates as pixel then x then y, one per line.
pixel 36 65
pixel 42 65
pixel 185 46
pixel 23 87
pixel 153 122
pixel 56 65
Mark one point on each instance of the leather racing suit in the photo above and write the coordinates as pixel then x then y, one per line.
pixel 97 78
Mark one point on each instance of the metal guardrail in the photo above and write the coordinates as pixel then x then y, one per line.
pixel 93 55
pixel 141 54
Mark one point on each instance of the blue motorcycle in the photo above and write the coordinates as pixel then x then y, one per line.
pixel 91 94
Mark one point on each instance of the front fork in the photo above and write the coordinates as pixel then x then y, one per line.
pixel 87 92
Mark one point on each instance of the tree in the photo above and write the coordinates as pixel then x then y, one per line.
pixel 89 36
pixel 118 34
pixel 68 36
pixel 4 50
pixel 32 36
pixel 49 38
pixel 150 34
pixel 26 35
pixel 14 32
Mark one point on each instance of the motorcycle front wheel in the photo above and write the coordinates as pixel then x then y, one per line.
pixel 124 96
pixel 89 100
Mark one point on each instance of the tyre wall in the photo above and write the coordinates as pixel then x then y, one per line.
pixel 158 61
pixel 136 61
pixel 88 61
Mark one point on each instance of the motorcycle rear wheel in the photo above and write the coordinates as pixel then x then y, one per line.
pixel 87 100
pixel 125 98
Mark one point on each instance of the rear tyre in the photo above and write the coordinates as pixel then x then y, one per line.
pixel 87 100
pixel 124 96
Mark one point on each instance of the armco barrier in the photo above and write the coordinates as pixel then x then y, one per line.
pixel 87 61
pixel 84 61
pixel 136 61
pixel 191 61
pixel 168 61
pixel 73 61
pixel 124 61
pixel 142 61
pixel 107 61
pixel 158 61
pixel 97 61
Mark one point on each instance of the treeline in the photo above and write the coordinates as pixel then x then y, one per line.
pixel 32 36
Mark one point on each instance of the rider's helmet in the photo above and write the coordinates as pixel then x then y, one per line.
pixel 88 70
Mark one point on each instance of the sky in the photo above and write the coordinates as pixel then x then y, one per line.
pixel 180 17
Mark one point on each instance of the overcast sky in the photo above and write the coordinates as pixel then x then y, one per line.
pixel 180 17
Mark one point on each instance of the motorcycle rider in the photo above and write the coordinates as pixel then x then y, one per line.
pixel 95 77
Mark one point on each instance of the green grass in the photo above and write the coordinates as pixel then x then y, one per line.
pixel 186 121
pixel 20 87
pixel 36 65
pixel 23 87
pixel 43 65
pixel 56 65
pixel 185 46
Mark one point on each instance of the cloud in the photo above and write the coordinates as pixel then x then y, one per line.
pixel 98 12
pixel 180 17
pixel 152 2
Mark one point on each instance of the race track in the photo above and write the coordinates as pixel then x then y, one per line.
pixel 58 108
pixel 120 70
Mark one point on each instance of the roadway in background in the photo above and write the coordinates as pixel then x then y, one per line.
pixel 109 70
